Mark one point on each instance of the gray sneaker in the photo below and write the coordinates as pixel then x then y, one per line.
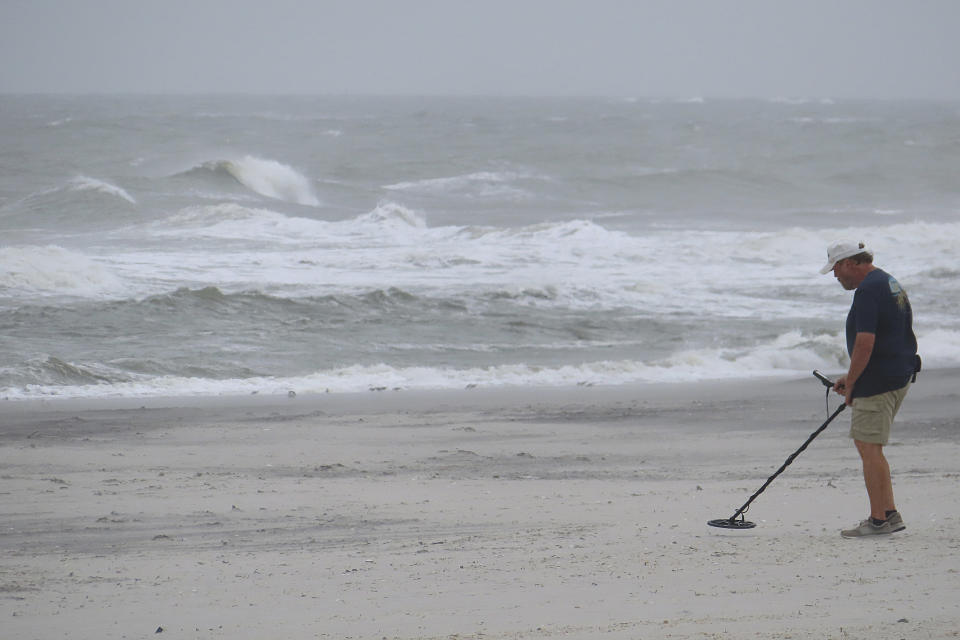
pixel 896 522
pixel 867 528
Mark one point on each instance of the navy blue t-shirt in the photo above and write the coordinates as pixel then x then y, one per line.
pixel 881 307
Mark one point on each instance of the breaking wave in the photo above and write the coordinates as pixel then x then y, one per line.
pixel 53 269
pixel 83 183
pixel 266 177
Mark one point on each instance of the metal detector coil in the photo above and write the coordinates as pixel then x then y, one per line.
pixel 732 522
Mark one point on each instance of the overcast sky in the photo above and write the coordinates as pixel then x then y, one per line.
pixel 639 48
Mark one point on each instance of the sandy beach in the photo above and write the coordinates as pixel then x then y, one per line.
pixel 522 513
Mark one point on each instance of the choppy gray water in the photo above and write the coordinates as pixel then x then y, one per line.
pixel 218 245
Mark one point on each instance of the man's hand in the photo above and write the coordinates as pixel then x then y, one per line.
pixel 840 387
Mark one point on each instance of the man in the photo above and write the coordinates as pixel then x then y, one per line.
pixel 883 360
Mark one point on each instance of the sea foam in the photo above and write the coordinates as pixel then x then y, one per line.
pixel 788 355
pixel 54 270
pixel 792 354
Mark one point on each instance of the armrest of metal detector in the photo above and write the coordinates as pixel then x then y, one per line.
pixel 827 382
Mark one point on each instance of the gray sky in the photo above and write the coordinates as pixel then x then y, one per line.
pixel 642 48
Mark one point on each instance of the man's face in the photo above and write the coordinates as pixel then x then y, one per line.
pixel 843 271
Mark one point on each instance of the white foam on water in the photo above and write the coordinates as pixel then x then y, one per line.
pixel 54 270
pixel 388 222
pixel 232 221
pixel 735 274
pixel 788 355
pixel 939 348
pixel 389 216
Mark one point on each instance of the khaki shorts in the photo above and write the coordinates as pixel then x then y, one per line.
pixel 873 415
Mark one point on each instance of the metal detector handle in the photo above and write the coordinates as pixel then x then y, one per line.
pixel 827 382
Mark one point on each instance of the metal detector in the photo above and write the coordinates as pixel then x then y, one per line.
pixel 732 522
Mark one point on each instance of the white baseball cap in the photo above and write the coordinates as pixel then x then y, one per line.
pixel 841 249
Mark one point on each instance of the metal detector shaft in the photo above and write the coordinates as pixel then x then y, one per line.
pixel 789 460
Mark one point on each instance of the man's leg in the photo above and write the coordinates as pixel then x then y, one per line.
pixel 876 475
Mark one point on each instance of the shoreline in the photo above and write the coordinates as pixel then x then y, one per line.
pixel 388 397
pixel 493 513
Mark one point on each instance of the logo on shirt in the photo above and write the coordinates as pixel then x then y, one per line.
pixel 897 292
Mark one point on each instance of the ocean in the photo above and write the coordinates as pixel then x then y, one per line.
pixel 236 245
